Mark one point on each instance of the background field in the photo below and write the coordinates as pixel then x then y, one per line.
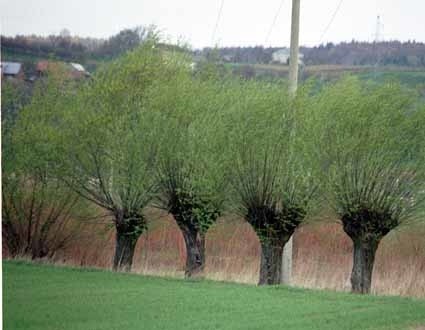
pixel 46 297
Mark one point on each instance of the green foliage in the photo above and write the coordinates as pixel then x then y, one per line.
pixel 368 142
pixel 211 67
pixel 270 177
pixel 10 105
pixel 407 78
pixel 15 94
pixel 102 138
pixel 37 126
pixel 191 172
pixel 125 40
pixel 40 215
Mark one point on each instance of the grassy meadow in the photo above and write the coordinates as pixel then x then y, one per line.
pixel 48 297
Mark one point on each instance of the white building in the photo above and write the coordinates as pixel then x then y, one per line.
pixel 282 56
pixel 11 69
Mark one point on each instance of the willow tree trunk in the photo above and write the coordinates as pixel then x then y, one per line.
pixel 364 258
pixel 124 249
pixel 270 263
pixel 195 251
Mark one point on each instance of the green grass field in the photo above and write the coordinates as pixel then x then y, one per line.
pixel 48 297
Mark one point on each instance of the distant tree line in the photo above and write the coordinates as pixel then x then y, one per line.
pixel 249 55
pixel 64 47
pixel 409 53
pixel 73 48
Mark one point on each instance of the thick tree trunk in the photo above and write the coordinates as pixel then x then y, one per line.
pixel 201 244
pixel 195 251
pixel 364 258
pixel 124 251
pixel 129 226
pixel 271 263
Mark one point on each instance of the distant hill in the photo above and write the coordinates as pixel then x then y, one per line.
pixel 393 53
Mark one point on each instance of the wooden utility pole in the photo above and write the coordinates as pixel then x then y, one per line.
pixel 293 57
pixel 286 273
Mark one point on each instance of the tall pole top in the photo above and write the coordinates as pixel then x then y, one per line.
pixel 294 52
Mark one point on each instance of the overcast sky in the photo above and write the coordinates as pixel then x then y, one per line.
pixel 242 23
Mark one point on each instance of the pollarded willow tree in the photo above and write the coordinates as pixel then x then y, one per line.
pixel 103 140
pixel 39 213
pixel 271 179
pixel 190 171
pixel 369 146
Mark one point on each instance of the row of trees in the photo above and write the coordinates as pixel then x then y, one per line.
pixel 392 52
pixel 344 53
pixel 74 48
pixel 69 48
pixel 149 131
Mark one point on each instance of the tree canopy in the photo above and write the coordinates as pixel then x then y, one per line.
pixel 368 142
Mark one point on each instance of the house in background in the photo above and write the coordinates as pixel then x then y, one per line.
pixel 282 56
pixel 78 71
pixel 74 70
pixel 228 58
pixel 12 70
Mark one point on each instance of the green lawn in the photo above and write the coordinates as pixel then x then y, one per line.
pixel 48 297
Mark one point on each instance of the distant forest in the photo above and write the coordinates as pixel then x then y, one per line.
pixel 89 51
pixel 397 53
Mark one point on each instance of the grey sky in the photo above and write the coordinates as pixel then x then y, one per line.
pixel 243 22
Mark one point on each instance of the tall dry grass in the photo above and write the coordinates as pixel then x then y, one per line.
pixel 323 259
pixel 400 264
pixel 232 251
pixel 93 248
pixel 322 254
pixel 161 249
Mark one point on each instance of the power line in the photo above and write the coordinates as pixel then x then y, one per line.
pixel 331 21
pixel 274 21
pixel 217 21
